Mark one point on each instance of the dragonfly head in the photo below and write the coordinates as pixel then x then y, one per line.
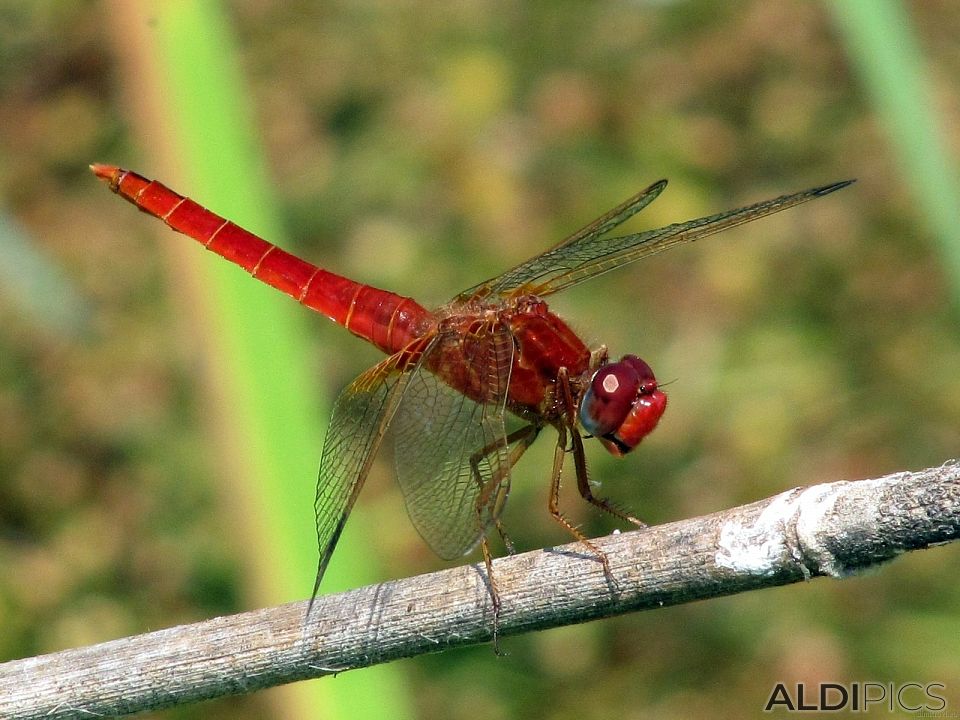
pixel 623 404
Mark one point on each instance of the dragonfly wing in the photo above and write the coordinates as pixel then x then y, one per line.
pixel 541 264
pixel 451 452
pixel 360 418
pixel 589 255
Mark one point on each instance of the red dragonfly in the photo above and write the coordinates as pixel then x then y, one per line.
pixel 453 374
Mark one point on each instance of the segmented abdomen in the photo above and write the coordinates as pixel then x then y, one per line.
pixel 385 319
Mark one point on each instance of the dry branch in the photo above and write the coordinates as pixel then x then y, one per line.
pixel 832 529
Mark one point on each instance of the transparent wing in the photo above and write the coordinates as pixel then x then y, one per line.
pixel 360 418
pixel 541 264
pixel 587 254
pixel 451 452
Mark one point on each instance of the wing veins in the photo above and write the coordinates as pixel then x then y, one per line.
pixel 588 252
pixel 449 501
pixel 597 228
pixel 609 253
pixel 361 415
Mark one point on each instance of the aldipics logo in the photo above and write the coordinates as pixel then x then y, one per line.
pixel 911 697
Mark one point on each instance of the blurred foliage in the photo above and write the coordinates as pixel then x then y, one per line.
pixel 406 138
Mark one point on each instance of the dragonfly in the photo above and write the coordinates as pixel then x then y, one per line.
pixel 457 378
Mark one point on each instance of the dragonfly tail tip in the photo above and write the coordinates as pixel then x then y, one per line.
pixel 107 173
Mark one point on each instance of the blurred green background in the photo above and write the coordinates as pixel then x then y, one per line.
pixel 161 415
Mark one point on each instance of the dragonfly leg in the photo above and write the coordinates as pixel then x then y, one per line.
pixel 521 439
pixel 494 593
pixel 554 501
pixel 599 357
pixel 583 484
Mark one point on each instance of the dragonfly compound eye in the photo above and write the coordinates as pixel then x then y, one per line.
pixel 648 383
pixel 608 399
pixel 623 404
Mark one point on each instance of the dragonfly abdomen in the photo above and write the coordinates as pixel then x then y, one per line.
pixel 385 319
